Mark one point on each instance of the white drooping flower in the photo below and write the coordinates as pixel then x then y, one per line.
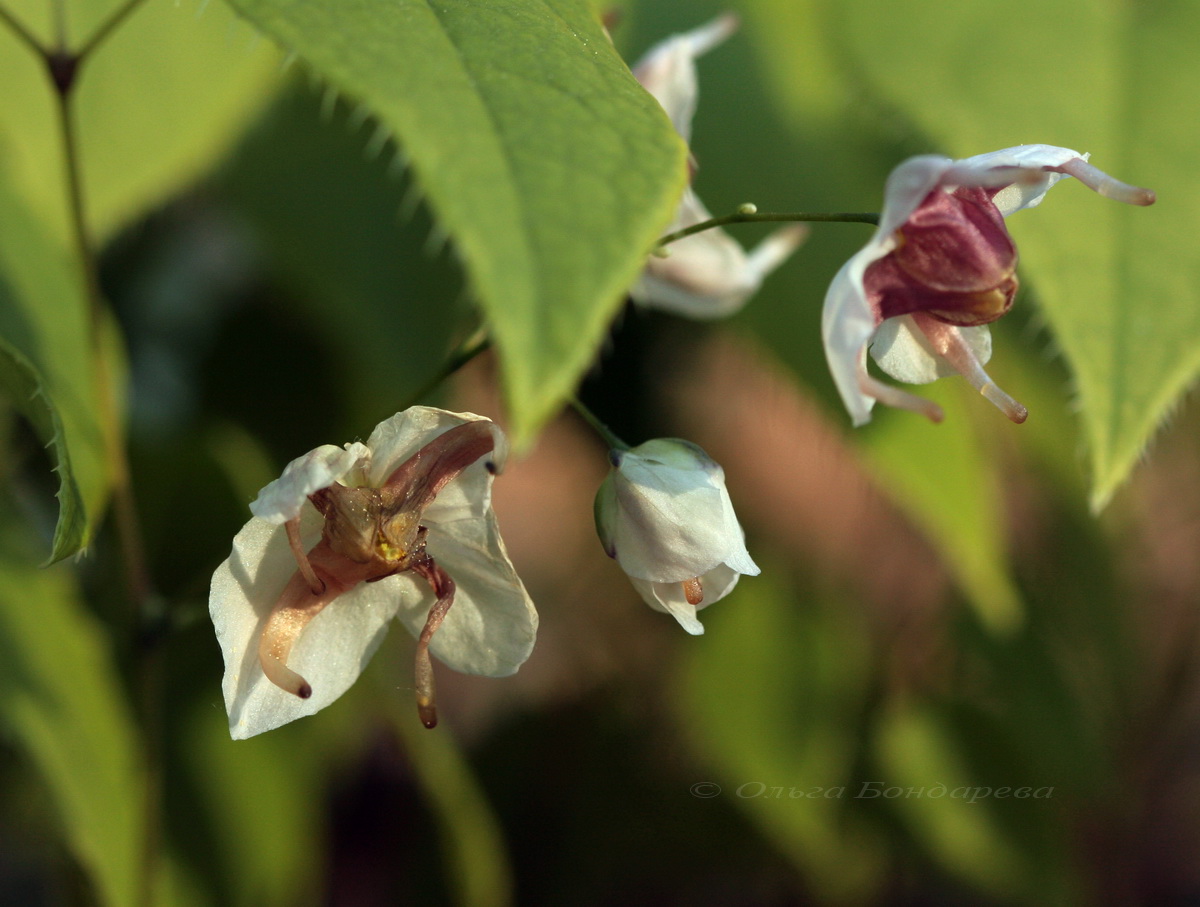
pixel 348 538
pixel 665 515
pixel 940 267
pixel 708 274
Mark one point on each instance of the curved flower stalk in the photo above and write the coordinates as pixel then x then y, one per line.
pixel 940 268
pixel 664 514
pixel 708 274
pixel 348 538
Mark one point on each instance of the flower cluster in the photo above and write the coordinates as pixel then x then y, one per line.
pixel 402 526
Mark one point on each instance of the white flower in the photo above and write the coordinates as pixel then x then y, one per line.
pixel 348 538
pixel 940 267
pixel 663 513
pixel 708 274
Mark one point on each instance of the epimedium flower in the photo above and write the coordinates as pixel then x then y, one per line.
pixel 940 267
pixel 348 538
pixel 707 274
pixel 664 514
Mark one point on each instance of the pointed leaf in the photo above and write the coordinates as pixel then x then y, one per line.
pixel 548 166
pixel 46 365
pixel 1117 284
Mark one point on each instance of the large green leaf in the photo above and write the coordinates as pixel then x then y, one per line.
pixel 46 365
pixel 157 103
pixel 544 161
pixel 1117 284
pixel 60 700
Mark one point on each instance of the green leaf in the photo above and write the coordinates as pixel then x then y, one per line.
pixel 60 699
pixel 1117 284
pixel 549 167
pixel 157 104
pixel 46 365
pixel 328 220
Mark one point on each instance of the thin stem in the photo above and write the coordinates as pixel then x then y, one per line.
pixel 107 27
pixel 28 38
pixel 143 599
pixel 137 574
pixel 599 427
pixel 754 217
pixel 477 344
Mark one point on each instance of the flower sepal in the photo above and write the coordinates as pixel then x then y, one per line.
pixel 664 514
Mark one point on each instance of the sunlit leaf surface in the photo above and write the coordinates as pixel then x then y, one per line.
pixel 546 164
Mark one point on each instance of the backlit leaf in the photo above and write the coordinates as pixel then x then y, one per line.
pixel 549 168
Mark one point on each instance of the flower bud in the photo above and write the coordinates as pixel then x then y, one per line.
pixel 665 515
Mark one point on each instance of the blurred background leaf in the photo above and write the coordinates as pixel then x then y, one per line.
pixel 545 163
pixel 62 701
pixel 953 495
pixel 773 694
pixel 157 105
pixel 296 297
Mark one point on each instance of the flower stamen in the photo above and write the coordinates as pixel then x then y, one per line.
pixel 443 588
pixel 949 344
pixel 315 584
pixel 693 591
pixel 892 396
pixel 296 607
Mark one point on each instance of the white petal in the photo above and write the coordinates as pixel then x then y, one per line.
pixel 492 625
pixel 668 70
pixel 901 349
pixel 283 499
pixel 847 325
pixel 673 520
pixel 848 321
pixel 671 599
pixel 906 187
pixel 330 653
pixel 738 557
pixel 396 439
pixel 1022 194
pixel 708 274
